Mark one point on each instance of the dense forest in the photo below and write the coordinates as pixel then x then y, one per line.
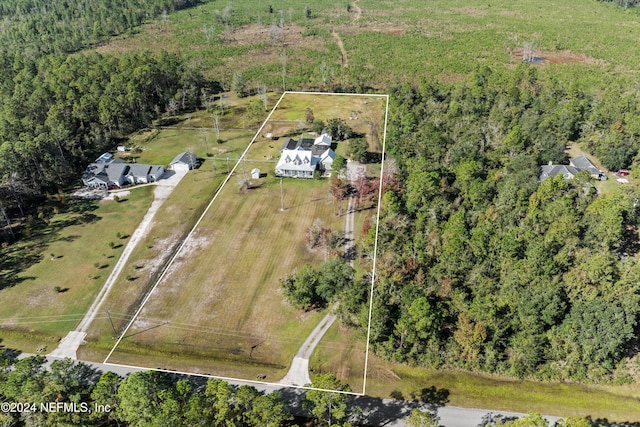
pixel 482 267
pixel 36 27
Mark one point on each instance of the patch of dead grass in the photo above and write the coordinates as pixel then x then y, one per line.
pixel 562 57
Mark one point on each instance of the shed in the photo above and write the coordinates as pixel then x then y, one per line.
pixel 255 173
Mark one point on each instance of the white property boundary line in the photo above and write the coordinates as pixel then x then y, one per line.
pixel 215 196
pixel 375 247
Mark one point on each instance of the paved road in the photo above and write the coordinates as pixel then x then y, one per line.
pixel 68 346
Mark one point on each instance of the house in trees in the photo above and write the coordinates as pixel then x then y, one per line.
pixel 115 173
pixel 575 166
pixel 303 157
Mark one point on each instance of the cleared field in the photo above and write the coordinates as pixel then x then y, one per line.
pixel 74 251
pixel 221 296
pixel 174 219
pixel 218 309
pixel 585 42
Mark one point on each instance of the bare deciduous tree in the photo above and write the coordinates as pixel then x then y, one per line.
pixel 216 124
pixel 261 90
pixel 324 73
pixel 283 61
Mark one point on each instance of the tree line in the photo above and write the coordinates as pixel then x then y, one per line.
pixel 481 266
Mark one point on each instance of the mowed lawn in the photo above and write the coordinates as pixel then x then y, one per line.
pixel 174 219
pixel 220 300
pixel 73 252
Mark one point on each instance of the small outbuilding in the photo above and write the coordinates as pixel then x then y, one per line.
pixel 255 173
pixel 183 161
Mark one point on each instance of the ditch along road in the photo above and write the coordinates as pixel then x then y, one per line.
pixel 298 374
pixel 68 345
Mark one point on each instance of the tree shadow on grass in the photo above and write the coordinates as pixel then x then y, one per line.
pixel 34 236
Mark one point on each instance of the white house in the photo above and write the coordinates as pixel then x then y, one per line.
pixel 297 163
pixel 302 158
pixel 183 161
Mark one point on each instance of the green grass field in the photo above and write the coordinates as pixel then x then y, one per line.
pixel 585 42
pixel 221 296
pixel 220 300
pixel 72 252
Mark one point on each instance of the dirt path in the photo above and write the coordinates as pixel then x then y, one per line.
pixel 345 60
pixel 68 346
pixel 358 11
pixel 336 36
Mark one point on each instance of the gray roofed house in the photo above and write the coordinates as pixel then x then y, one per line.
pixel 116 173
pixel 575 165
pixel 183 161
pixel 105 175
pixel 549 171
pixel 143 174
pixel 583 163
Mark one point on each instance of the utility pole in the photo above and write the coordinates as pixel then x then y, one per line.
pixel 115 334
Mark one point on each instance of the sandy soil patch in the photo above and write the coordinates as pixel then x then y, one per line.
pixel 290 34
pixel 385 28
pixel 563 57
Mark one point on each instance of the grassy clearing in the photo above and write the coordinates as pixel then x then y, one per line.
pixel 72 252
pixel 220 301
pixel 585 42
pixel 342 352
pixel 222 294
pixel 618 403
